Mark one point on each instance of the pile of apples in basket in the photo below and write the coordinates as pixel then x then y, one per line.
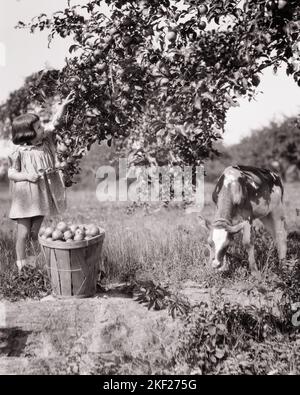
pixel 72 233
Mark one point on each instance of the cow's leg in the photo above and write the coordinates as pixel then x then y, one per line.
pixel 268 222
pixel 249 245
pixel 280 234
pixel 275 224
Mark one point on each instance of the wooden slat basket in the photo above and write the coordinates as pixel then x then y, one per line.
pixel 73 267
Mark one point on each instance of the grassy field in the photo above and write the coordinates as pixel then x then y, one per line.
pixel 169 247
pixel 166 244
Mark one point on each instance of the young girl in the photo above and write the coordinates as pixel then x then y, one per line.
pixel 31 197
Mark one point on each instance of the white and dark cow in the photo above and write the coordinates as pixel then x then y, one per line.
pixel 243 194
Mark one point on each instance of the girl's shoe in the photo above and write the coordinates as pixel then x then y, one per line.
pixel 31 261
pixel 20 264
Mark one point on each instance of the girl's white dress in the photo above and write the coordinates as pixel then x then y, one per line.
pixel 35 199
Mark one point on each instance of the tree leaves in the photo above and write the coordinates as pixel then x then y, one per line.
pixel 73 48
pixel 166 65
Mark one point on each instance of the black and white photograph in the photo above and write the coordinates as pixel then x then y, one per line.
pixel 149 190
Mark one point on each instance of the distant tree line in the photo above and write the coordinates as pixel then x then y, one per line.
pixel 275 147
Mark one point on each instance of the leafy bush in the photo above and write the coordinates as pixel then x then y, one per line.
pixel 215 335
pixel 31 283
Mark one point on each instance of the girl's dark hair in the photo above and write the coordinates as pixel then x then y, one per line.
pixel 22 128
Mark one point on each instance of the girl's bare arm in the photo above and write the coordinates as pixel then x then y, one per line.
pixel 17 176
pixel 51 126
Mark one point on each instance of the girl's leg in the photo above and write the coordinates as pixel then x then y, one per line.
pixel 23 232
pixel 36 223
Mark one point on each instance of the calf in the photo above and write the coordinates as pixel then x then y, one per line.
pixel 242 194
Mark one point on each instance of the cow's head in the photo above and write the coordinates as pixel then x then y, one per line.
pixel 219 241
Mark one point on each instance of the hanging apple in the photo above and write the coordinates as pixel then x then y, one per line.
pixel 62 165
pixel 203 9
pixel 164 81
pixel 62 148
pixel 202 25
pixel 171 35
pixel 272 5
pixel 282 4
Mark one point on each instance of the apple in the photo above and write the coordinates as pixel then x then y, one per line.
pixel 282 4
pixel 202 25
pixel 113 31
pixel 62 226
pixel 83 89
pixel 127 40
pixel 94 57
pixel 92 231
pixel 63 164
pixel 49 239
pixel 75 79
pixel 127 21
pixel 124 102
pixel 126 88
pixel 203 9
pixel 271 5
pixel 73 228
pixel 143 4
pixel 97 54
pixel 79 232
pixel 42 230
pixel 148 32
pixel 171 35
pixel 57 235
pixel 43 237
pixel 78 237
pixel 108 40
pixel 48 232
pixel 68 235
pixel 164 81
pixel 255 80
pixel 61 148
pixel 70 160
pixel 101 67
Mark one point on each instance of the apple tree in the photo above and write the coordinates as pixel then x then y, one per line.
pixel 158 77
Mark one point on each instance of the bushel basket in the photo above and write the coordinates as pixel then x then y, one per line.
pixel 73 267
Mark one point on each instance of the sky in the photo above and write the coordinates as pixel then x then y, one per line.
pixel 22 53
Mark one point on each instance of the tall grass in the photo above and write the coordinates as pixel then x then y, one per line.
pixel 7 251
pixel 167 245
